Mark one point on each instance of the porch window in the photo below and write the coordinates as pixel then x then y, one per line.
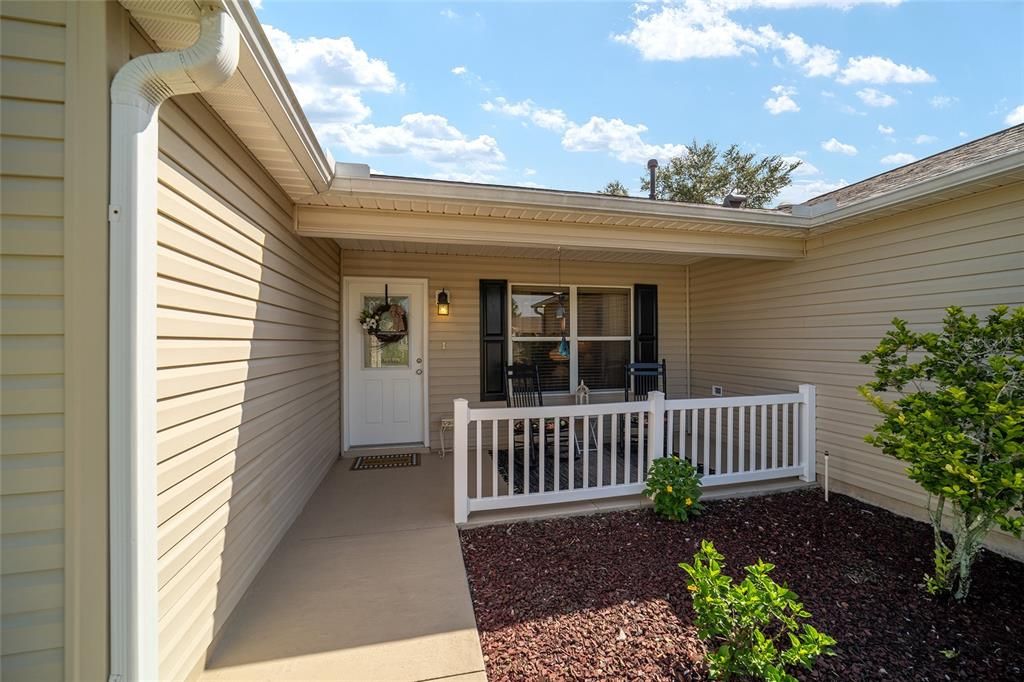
pixel 595 321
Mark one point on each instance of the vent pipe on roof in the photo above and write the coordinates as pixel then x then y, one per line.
pixel 733 200
pixel 652 166
pixel 136 93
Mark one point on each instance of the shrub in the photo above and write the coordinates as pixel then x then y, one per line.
pixel 958 422
pixel 754 624
pixel 674 486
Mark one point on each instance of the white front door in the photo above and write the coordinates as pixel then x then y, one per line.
pixel 385 379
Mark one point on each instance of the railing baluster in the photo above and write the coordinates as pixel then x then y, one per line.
pixel 586 451
pixel 775 436
pixel 753 437
pixel 729 464
pixel 570 436
pixel 670 432
pixel 510 454
pixel 693 437
pixel 616 418
pixel 764 437
pixel 742 459
pixel 785 434
pixel 542 437
pixel 600 450
pixel 556 482
pixel 627 445
pixel 479 458
pixel 641 451
pixel 797 451
pixel 494 458
pixel 527 447
pixel 718 441
pixel 707 437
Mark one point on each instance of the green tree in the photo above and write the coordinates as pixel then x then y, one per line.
pixel 614 188
pixel 958 422
pixel 704 176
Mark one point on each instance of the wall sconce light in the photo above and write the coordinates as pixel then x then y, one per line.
pixel 442 303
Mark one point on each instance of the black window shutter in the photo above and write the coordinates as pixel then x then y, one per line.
pixel 493 338
pixel 645 323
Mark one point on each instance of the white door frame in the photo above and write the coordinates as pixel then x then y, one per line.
pixel 349 316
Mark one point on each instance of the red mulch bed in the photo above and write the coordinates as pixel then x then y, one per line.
pixel 602 597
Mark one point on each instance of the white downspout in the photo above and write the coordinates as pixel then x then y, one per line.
pixel 136 93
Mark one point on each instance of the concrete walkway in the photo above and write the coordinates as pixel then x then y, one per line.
pixel 368 584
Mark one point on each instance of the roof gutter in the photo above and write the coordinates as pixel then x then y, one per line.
pixel 136 94
pixel 944 183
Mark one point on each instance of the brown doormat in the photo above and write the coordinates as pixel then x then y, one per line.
pixel 410 459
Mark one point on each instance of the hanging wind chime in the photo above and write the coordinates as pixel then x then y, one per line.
pixel 563 345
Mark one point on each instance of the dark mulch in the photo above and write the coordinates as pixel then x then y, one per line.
pixel 602 597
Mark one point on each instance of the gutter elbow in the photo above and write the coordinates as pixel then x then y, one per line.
pixel 211 60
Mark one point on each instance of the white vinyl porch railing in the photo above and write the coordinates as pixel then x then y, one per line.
pixel 517 457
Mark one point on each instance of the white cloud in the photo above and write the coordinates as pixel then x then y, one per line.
pixel 943 101
pixel 804 169
pixel 827 93
pixel 549 119
pixel 529 171
pixel 782 102
pixel 880 70
pixel 426 137
pixel 925 139
pixel 328 74
pixel 886 130
pixel 875 98
pixel 802 190
pixel 449 13
pixel 460 70
pixel 897 159
pixel 835 146
pixel 618 138
pixel 704 29
pixel 1015 117
pixel 963 133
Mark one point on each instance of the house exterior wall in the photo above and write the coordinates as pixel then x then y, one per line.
pixel 764 326
pixel 248 392
pixel 454 343
pixel 53 251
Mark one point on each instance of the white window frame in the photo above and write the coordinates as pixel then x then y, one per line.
pixel 572 337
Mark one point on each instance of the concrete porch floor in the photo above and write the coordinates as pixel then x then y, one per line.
pixel 368 584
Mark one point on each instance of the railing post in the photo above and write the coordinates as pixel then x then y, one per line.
pixel 460 459
pixel 655 425
pixel 808 444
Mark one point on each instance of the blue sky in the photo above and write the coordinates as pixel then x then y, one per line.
pixel 571 95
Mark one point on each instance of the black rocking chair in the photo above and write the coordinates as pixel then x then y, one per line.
pixel 641 379
pixel 523 390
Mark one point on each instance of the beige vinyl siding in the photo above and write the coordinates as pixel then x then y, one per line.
pixel 32 94
pixel 248 411
pixel 762 326
pixel 454 344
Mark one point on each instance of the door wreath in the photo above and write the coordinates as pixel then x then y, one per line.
pixel 386 322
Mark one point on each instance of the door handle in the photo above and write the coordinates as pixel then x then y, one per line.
pixel 419 371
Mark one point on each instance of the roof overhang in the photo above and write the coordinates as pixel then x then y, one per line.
pixel 257 102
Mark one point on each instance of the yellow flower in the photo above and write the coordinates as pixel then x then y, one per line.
pixel 688 501
pixel 668 488
pixel 691 588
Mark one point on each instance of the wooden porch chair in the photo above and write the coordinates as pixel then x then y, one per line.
pixel 641 379
pixel 523 390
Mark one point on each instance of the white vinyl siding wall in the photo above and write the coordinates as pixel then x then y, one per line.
pixel 454 345
pixel 248 412
pixel 32 87
pixel 765 326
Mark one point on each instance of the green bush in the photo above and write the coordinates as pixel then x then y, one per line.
pixel 755 624
pixel 956 417
pixel 674 486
